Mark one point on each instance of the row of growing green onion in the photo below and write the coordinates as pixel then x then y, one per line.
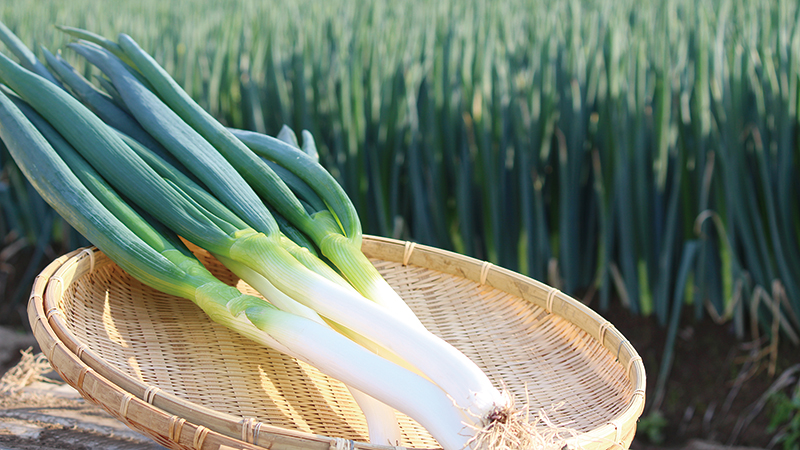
pixel 207 184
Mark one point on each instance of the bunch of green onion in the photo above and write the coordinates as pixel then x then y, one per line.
pixel 140 164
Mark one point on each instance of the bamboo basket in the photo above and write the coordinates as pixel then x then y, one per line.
pixel 159 365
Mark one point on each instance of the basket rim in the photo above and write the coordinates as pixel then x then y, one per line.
pixel 59 344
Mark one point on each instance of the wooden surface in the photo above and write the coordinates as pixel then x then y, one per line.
pixel 53 416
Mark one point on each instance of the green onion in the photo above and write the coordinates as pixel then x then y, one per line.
pixel 459 376
pixel 471 396
pixel 158 262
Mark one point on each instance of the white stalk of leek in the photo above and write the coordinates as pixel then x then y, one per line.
pixel 382 422
pixel 456 374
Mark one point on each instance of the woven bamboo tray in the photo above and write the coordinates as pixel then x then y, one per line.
pixel 158 364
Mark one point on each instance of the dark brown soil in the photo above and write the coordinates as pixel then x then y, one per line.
pixel 716 389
